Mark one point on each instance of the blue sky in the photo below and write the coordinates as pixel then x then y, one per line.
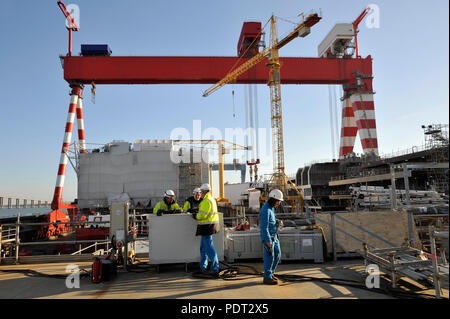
pixel 410 68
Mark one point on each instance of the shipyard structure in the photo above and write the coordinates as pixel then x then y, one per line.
pixel 140 172
pixel 389 210
pixel 373 182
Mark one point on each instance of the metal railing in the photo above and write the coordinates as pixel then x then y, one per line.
pixel 318 161
pixel 95 245
pixel 14 229
pixel 7 235
pixel 335 243
pixel 372 172
pixel 363 158
pixel 407 151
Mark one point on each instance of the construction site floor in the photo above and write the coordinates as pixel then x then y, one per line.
pixel 173 282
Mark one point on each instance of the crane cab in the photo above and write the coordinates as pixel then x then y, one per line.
pixel 250 36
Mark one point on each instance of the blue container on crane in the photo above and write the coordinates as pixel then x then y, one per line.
pixel 95 50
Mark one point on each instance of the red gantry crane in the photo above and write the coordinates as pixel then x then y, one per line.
pixel 101 68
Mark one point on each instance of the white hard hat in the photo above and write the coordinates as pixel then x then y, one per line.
pixel 205 187
pixel 197 190
pixel 169 193
pixel 277 194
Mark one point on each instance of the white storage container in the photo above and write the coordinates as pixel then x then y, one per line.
pixel 172 239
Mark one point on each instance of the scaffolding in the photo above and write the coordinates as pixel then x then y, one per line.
pixel 436 140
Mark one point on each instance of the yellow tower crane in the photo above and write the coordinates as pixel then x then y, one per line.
pixel 279 178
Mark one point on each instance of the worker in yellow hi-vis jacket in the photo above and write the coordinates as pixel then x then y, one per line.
pixel 168 204
pixel 192 203
pixel 207 225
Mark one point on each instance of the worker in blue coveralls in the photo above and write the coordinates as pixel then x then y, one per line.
pixel 268 229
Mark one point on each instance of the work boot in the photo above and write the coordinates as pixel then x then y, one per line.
pixel 201 274
pixel 270 281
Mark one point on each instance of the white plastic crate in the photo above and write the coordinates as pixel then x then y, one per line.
pixel 243 244
pixel 298 244
pixel 295 244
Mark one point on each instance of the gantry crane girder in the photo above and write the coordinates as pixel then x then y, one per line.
pixel 85 70
pixel 209 70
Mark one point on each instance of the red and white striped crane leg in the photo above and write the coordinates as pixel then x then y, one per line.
pixel 348 129
pixel 57 196
pixel 80 125
pixel 364 110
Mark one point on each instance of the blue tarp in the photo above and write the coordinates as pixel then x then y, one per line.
pixel 95 50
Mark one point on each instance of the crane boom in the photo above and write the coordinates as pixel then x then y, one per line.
pixel 71 25
pixel 233 75
pixel 301 30
pixel 355 27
